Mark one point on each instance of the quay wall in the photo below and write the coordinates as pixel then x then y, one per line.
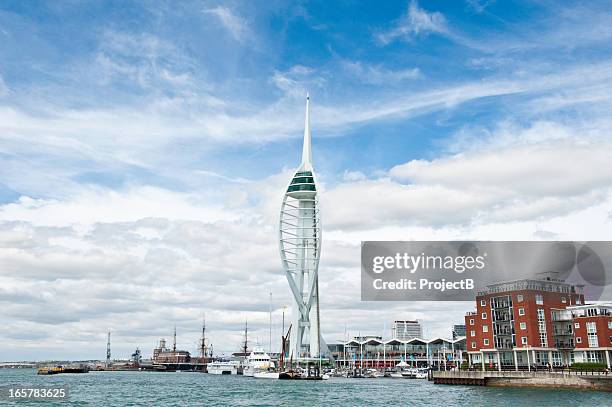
pixel 600 382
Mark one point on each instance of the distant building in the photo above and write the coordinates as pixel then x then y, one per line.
pixel 458 330
pixel 405 330
pixel 522 323
pixel 163 355
pixel 363 338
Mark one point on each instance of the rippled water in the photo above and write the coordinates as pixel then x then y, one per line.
pixel 196 389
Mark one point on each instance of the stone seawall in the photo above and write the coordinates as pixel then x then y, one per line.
pixel 596 381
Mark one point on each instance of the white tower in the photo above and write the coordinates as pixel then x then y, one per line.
pixel 300 250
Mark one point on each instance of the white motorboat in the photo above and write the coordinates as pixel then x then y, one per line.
pixel 373 374
pixel 223 368
pixel 266 375
pixel 420 373
pixel 257 361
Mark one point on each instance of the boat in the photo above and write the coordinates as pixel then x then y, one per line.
pixel 373 374
pixel 257 361
pixel 290 375
pixel 395 375
pixel 266 375
pixel 223 368
pixel 62 369
pixel 420 373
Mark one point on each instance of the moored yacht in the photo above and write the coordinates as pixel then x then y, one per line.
pixel 266 375
pixel 223 368
pixel 258 361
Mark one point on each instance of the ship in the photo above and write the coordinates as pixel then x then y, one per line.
pixel 258 361
pixel 171 360
pixel 231 367
pixel 62 369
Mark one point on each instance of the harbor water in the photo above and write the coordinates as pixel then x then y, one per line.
pixel 197 389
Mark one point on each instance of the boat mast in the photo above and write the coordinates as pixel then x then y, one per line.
pixel 270 333
pixel 318 327
pixel 246 332
pixel 203 344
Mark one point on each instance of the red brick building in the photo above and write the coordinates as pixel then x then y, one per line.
pixel 518 324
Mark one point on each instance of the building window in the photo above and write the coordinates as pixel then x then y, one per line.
pixel 523 325
pixel 521 311
pixel 484 315
pixel 563 300
pixel 578 302
pixel 523 340
pixel 556 359
pixel 592 335
pixel 594 357
pixel 486 342
pixel 471 322
pixel 577 325
pixel 473 345
pixel 472 333
pixel 539 299
pixel 542 328
pixel 485 328
pixel 483 303
pixel 578 339
pixel 519 298
pixel 609 324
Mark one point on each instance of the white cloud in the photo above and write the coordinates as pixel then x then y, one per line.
pixel 4 90
pixel 141 259
pixel 139 276
pixel 416 22
pixel 527 170
pixel 234 24
pixel 164 134
pixel 378 74
pixel 479 5
pixel 144 59
pixel 538 176
pixel 93 205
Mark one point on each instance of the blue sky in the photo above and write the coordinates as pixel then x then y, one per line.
pixel 251 61
pixel 130 129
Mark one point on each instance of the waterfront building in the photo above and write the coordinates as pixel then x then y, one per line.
pixel 458 330
pixel 373 352
pixel 405 330
pixel 300 250
pixel 522 323
pixel 592 326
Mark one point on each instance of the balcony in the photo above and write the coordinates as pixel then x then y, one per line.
pixel 564 344
pixel 561 315
pixel 501 317
pixel 504 344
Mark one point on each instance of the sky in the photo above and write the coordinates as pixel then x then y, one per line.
pixel 145 147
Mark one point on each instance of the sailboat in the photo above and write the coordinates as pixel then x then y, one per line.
pixel 260 365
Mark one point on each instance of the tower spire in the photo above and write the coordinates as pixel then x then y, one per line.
pixel 306 149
